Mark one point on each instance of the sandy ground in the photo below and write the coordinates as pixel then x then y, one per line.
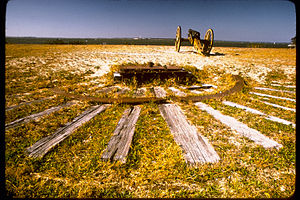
pixel 250 62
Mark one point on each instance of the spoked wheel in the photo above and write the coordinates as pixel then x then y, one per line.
pixel 178 39
pixel 115 94
pixel 209 37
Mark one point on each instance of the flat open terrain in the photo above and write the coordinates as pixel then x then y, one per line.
pixel 155 165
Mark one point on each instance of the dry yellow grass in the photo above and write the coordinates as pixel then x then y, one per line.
pixel 155 166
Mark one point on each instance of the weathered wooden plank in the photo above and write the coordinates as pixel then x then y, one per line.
pixel 287 86
pixel 204 87
pixel 28 103
pixel 41 147
pixel 278 106
pixel 275 90
pixel 268 117
pixel 197 87
pixel 140 92
pixel 159 92
pixel 177 92
pixel 271 96
pixel 122 91
pixel 118 90
pixel 240 127
pixel 196 92
pixel 107 89
pixel 36 116
pixel 119 144
pixel 196 149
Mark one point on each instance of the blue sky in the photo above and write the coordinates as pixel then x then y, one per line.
pixel 234 20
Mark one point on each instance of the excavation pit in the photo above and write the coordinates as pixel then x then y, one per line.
pixel 136 76
pixel 146 74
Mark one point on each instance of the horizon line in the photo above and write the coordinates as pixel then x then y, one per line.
pixel 136 37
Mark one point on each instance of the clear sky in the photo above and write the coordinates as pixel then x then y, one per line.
pixel 234 20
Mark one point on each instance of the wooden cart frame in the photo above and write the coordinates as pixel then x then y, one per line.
pixel 202 46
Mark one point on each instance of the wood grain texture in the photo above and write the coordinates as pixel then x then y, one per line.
pixel 140 92
pixel 28 103
pixel 177 92
pixel 119 144
pixel 122 91
pixel 240 127
pixel 40 148
pixel 36 116
pixel 159 92
pixel 196 148
pixel 107 89
pixel 254 111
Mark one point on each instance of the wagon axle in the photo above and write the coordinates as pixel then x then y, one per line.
pixel 202 46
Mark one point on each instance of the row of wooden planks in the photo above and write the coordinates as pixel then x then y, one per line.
pixel 196 148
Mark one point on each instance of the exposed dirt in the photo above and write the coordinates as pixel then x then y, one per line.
pixel 248 62
pixel 253 63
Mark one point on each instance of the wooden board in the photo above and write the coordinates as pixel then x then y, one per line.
pixel 35 116
pixel 118 146
pixel 251 110
pixel 177 92
pixel 240 127
pixel 40 148
pixel 196 148
pixel 122 91
pixel 106 89
pixel 278 106
pixel 140 92
pixel 159 92
pixel 28 103
pixel 271 96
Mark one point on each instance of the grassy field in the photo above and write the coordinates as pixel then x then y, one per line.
pixel 136 41
pixel 155 165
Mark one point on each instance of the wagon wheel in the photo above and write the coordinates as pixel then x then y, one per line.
pixel 178 39
pixel 209 37
pixel 169 111
pixel 140 100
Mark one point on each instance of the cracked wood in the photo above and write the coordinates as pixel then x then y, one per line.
pixel 36 116
pixel 196 148
pixel 40 148
pixel 119 144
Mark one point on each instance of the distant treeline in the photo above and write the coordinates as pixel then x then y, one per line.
pixel 135 41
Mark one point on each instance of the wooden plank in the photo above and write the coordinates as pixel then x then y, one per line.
pixel 107 89
pixel 29 102
pixel 268 117
pixel 119 144
pixel 41 147
pixel 240 127
pixel 122 91
pixel 278 106
pixel 177 92
pixel 196 148
pixel 271 96
pixel 196 92
pixel 287 86
pixel 198 87
pixel 140 92
pixel 271 89
pixel 159 92
pixel 35 116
